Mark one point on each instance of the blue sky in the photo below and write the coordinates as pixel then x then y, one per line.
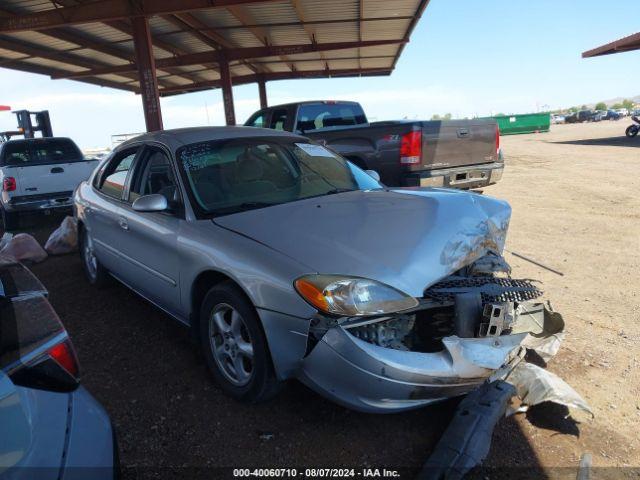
pixel 467 57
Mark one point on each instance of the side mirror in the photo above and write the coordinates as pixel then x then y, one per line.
pixel 151 203
pixel 373 174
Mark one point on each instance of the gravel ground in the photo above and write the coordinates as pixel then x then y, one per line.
pixel 575 208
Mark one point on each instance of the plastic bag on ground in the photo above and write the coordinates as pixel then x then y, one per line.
pixel 64 239
pixel 23 248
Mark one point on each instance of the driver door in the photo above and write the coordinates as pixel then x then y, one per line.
pixel 149 246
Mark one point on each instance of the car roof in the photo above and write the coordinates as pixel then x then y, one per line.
pixel 176 138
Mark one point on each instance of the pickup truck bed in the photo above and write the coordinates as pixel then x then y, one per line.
pixel 39 174
pixel 406 153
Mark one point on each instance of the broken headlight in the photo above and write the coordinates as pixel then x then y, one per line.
pixel 352 296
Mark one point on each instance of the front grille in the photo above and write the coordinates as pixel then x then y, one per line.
pixel 490 288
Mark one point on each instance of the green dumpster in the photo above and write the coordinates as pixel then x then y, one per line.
pixel 526 123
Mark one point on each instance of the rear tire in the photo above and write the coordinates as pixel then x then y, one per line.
pixel 10 220
pixel 234 345
pixel 632 131
pixel 96 274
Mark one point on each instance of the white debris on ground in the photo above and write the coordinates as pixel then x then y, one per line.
pixel 22 248
pixel 64 239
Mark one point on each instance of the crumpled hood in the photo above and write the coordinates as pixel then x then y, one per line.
pixel 406 238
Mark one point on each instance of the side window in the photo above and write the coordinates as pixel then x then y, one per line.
pixel 258 121
pixel 157 176
pixel 278 119
pixel 114 178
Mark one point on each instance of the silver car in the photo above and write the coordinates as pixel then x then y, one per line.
pixel 286 261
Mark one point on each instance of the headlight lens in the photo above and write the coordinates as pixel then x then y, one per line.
pixel 352 296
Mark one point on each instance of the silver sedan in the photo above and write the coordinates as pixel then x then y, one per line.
pixel 286 261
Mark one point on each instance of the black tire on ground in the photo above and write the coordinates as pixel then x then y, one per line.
pixel 10 220
pixel 97 275
pixel 262 383
pixel 632 131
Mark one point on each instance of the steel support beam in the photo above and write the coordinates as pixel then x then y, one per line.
pixel 147 73
pixel 298 74
pixel 237 54
pixel 262 90
pixel 227 93
pixel 107 10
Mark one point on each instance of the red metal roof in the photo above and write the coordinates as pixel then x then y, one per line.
pixel 626 44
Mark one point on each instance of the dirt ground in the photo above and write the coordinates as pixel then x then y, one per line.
pixel 576 208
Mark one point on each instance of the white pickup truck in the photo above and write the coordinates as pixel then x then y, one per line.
pixel 39 174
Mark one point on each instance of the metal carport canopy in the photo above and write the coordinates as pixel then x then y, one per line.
pixel 626 44
pixel 166 47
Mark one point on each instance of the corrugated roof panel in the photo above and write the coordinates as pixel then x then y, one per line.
pixel 216 17
pixel 5 54
pixel 99 57
pixel 37 38
pixel 271 12
pixel 288 35
pixel 160 53
pixel 342 64
pixel 376 62
pixel 337 32
pixel 101 32
pixel 29 5
pixel 384 29
pixel 385 8
pixel 114 78
pixel 379 50
pixel 159 25
pixel 331 9
pixel 43 62
pixel 187 42
pixel 302 66
pixel 241 38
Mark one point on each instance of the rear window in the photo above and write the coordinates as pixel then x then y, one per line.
pixel 41 152
pixel 327 115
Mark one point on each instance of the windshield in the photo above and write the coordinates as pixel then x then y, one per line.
pixel 231 176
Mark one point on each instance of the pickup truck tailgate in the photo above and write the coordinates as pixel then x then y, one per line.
pixel 450 144
pixel 42 179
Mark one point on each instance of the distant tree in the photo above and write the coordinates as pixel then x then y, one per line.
pixel 583 107
pixel 436 117
pixel 617 106
pixel 501 114
pixel 447 116
pixel 574 109
pixel 601 106
pixel 628 104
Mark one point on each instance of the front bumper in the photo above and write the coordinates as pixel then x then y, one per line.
pixel 29 203
pixel 370 378
pixel 462 177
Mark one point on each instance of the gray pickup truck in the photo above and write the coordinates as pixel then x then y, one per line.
pixel 405 153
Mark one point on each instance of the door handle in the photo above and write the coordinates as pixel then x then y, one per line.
pixel 123 223
pixel 57 170
pixel 463 133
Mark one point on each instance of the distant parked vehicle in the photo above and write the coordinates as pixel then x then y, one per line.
pixel 611 115
pixel 557 119
pixel 50 426
pixel 581 116
pixel 633 129
pixel 39 174
pixel 623 111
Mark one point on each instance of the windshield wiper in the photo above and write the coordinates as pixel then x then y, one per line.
pixel 242 207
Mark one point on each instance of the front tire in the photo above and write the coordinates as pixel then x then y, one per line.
pixel 96 274
pixel 234 345
pixel 632 131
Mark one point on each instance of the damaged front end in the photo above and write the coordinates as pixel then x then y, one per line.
pixel 468 327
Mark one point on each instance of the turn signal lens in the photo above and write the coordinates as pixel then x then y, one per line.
pixel 9 184
pixel 352 296
pixel 64 355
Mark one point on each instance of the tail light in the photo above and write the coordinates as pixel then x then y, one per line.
pixel 9 184
pixel 411 148
pixel 56 369
pixel 497 140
